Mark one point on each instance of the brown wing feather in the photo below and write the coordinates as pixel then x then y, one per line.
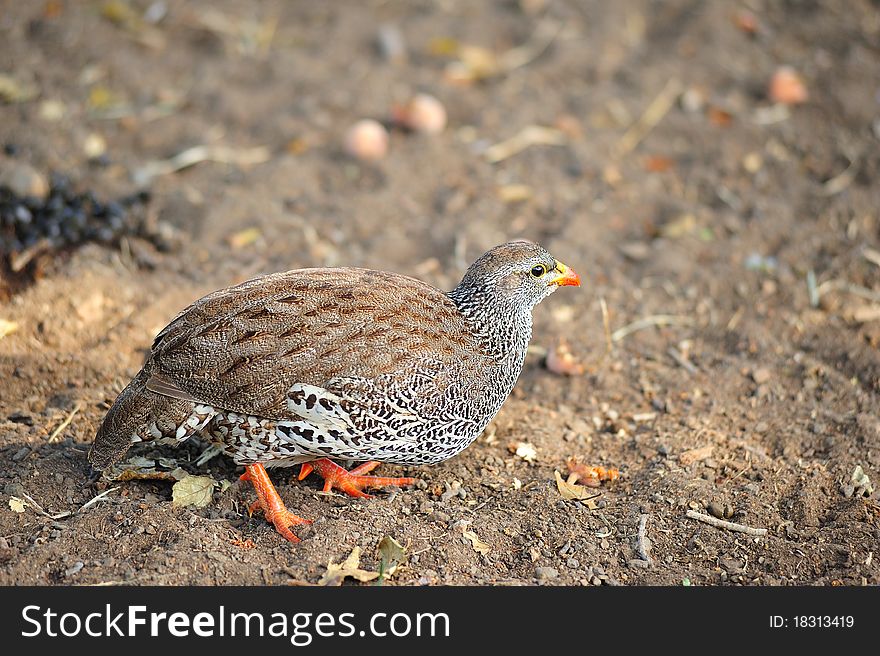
pixel 242 348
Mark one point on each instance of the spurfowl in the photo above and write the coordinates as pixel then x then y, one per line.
pixel 312 365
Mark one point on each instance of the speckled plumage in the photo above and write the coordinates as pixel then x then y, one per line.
pixel 338 363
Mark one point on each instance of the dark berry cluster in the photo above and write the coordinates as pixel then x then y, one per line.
pixel 66 218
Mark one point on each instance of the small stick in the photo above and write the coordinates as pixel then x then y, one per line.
pixel 531 135
pixel 871 255
pixel 842 180
pixel 532 49
pixel 652 116
pixel 843 285
pixel 720 523
pixel 40 510
pixel 606 324
pixel 64 424
pixel 97 498
pixel 734 320
pixel 681 361
pixel 812 290
pixel 643 545
pixel 647 322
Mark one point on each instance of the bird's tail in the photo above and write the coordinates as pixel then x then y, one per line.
pixel 137 415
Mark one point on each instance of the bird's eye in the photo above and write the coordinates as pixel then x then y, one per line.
pixel 539 270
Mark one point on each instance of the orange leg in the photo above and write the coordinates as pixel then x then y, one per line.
pixel 351 482
pixel 270 503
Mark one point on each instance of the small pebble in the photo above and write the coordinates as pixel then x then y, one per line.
pixel 693 100
pixel 73 569
pixel 424 114
pixel 720 510
pixel 546 573
pixel 24 180
pixel 787 87
pixel 21 454
pixel 21 418
pixel 761 376
pixel 391 43
pixel 367 140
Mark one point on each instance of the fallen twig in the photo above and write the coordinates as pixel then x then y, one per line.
pixel 532 135
pixel 850 288
pixel 652 116
pixel 606 325
pixel 680 360
pixel 812 291
pixel 720 523
pixel 36 506
pixel 541 39
pixel 647 322
pixel 65 514
pixel 96 498
pixel 197 154
pixel 871 255
pixel 643 544
pixel 64 424
pixel 842 180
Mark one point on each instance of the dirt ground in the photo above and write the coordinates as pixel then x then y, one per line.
pixel 734 240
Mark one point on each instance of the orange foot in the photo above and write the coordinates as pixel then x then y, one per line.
pixel 351 482
pixel 270 503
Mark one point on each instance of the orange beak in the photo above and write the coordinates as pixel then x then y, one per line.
pixel 565 276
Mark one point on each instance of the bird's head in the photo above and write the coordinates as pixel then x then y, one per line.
pixel 519 273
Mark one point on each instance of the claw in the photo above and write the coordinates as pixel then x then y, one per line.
pixel 351 482
pixel 270 502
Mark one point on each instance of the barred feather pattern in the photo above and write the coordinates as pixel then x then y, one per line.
pixel 342 363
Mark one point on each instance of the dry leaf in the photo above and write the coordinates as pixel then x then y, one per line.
pixel 860 481
pixel 336 574
pixel 719 117
pixel 695 455
pixel 524 450
pixel 571 491
pixel 16 504
pixel 679 227
pixel 658 163
pixel 478 545
pixel 443 46
pixel 474 64
pixel 588 475
pixel 244 238
pixel 193 491
pixel 515 193
pixel 7 327
pixel 391 553
pixel 13 91
pixel 140 468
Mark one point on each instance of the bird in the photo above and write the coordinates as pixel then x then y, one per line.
pixel 313 366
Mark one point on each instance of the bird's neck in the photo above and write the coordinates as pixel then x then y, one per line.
pixel 505 329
